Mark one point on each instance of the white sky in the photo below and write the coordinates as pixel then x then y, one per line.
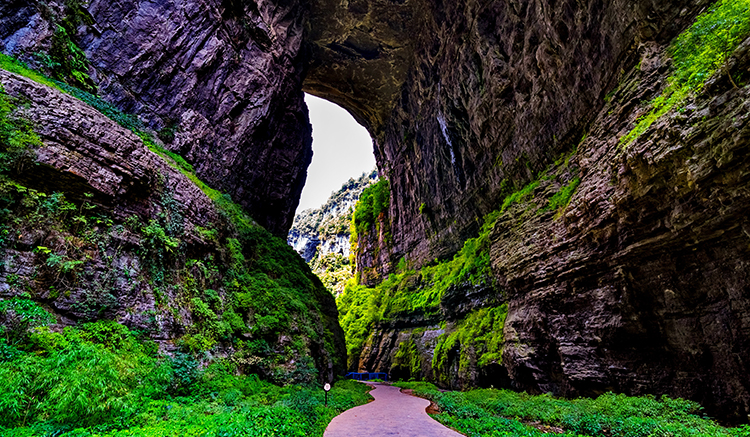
pixel 342 149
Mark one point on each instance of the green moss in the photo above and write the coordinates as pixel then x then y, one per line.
pixel 409 291
pixel 560 200
pixel 698 53
pixel 407 361
pixel 519 195
pixel 478 338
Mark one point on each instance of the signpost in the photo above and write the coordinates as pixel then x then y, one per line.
pixel 327 388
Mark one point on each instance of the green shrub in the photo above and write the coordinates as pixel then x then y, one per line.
pixel 373 201
pixel 19 314
pixel 101 381
pixel 490 412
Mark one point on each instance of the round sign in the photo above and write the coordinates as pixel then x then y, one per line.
pixel 327 387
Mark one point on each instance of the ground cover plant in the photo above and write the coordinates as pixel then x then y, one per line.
pixel 501 413
pixel 101 379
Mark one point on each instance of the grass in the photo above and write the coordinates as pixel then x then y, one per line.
pixel 101 379
pixel 698 53
pixel 501 413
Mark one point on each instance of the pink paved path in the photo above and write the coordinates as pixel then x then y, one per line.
pixel 391 414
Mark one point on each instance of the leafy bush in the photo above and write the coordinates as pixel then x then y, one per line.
pixel 100 379
pixel 18 315
pixel 490 412
pixel 373 201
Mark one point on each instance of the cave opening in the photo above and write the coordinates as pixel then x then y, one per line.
pixel 342 149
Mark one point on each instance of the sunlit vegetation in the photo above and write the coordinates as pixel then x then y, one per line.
pixel 501 413
pixel 697 54
pixel 102 379
pixel 410 291
pixel 373 201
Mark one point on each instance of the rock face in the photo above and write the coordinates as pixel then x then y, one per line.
pixel 639 285
pixel 325 230
pixel 220 78
pixel 102 227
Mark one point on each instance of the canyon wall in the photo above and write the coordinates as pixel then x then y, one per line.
pixel 221 79
pixel 638 286
pixel 96 225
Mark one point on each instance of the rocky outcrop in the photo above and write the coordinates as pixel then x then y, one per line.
pixel 325 230
pixel 494 92
pixel 221 79
pixel 102 227
pixel 637 286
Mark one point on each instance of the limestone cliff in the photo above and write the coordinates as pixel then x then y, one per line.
pixel 220 79
pixel 96 225
pixel 637 286
pixel 607 264
pixel 325 230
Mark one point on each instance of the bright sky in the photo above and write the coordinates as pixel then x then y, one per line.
pixel 342 149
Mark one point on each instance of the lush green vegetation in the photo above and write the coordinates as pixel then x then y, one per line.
pixel 478 338
pixel 102 379
pixel 16 133
pixel 409 291
pixel 698 53
pixel 246 290
pixel 243 289
pixel 373 201
pixel 500 413
pixel 334 270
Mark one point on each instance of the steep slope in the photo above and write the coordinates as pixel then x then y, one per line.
pixel 95 225
pixel 212 76
pixel 321 235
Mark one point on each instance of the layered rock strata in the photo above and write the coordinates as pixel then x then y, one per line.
pixel 220 78
pixel 102 227
pixel 638 285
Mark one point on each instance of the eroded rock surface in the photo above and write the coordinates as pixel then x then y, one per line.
pixel 147 247
pixel 221 77
pixel 639 285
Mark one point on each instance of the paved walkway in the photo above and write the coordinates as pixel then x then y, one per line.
pixel 391 414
